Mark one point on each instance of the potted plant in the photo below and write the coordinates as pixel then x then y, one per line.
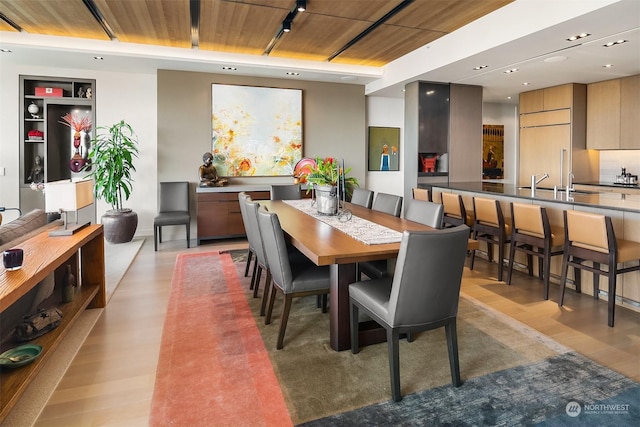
pixel 111 158
pixel 324 176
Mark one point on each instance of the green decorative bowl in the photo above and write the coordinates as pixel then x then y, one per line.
pixel 20 356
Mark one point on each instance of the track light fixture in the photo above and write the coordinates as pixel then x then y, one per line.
pixel 301 5
pixel 286 25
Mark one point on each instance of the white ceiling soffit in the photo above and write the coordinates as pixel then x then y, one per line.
pixel 539 34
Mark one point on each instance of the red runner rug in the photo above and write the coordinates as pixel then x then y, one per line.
pixel 213 367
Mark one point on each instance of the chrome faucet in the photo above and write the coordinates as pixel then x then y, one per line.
pixel 535 182
pixel 570 187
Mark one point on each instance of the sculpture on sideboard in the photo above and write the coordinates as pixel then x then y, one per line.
pixel 209 174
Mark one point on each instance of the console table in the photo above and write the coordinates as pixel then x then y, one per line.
pixel 42 256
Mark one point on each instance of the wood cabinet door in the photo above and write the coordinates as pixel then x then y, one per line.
pixel 630 112
pixel 531 102
pixel 557 97
pixel 541 152
pixel 603 115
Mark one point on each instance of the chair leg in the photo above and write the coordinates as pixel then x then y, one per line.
pixel 512 255
pixel 155 238
pixel 355 328
pixel 246 268
pixel 612 294
pixel 452 346
pixel 160 234
pixel 188 235
pixel 288 298
pixel 253 275
pixel 546 272
pixel 265 295
pixel 324 302
pixel 473 252
pixel 563 276
pixel 272 300
pixel 394 363
pixel 596 281
pixel 256 284
pixel 501 244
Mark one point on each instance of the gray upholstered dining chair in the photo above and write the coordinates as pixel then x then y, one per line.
pixel 427 213
pixel 291 279
pixel 250 251
pixel 285 192
pixel 362 197
pixel 174 209
pixel 423 294
pixel 255 241
pixel 388 203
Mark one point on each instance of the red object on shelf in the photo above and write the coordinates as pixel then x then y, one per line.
pixel 429 164
pixel 35 134
pixel 49 91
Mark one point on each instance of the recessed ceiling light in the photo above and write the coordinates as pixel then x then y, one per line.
pixel 579 36
pixel 292 73
pixel 513 70
pixel 5 50
pixel 479 67
pixel 608 65
pixel 526 84
pixel 98 58
pixel 614 43
pixel 229 68
pixel 508 97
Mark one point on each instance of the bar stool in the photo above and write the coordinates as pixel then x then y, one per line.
pixel 490 226
pixel 533 235
pixel 590 237
pixel 421 194
pixel 454 211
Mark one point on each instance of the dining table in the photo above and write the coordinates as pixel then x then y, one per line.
pixel 325 244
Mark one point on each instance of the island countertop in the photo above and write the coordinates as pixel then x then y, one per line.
pixel 605 200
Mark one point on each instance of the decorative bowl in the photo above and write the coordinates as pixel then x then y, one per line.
pixel 20 356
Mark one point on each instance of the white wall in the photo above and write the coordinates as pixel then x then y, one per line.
pixel 119 95
pixel 386 112
pixel 506 115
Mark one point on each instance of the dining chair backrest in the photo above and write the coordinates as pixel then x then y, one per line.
pixel 428 274
pixel 174 197
pixel 285 192
pixel 275 248
pixel 362 197
pixel 253 231
pixel 388 203
pixel 427 213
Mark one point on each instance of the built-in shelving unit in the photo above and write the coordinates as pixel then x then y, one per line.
pixel 46 145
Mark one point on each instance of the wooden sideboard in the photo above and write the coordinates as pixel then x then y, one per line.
pixel 43 255
pixel 219 214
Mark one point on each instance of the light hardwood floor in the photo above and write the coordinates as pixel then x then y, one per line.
pixel 111 380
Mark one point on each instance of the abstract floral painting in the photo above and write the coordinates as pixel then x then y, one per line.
pixel 256 131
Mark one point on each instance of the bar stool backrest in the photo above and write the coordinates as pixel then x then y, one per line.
pixel 451 204
pixel 527 219
pixel 486 211
pixel 588 231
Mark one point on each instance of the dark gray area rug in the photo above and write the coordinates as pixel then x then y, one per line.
pixel 566 390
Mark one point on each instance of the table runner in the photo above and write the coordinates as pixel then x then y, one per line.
pixel 360 229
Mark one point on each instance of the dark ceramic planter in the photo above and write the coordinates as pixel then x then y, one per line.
pixel 119 225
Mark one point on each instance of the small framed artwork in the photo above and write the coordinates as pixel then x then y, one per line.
pixel 384 149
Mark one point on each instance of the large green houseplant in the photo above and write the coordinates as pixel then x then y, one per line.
pixel 111 156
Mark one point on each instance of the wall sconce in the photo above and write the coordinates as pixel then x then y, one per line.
pixel 65 196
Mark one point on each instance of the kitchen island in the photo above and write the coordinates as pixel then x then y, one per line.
pixel 624 210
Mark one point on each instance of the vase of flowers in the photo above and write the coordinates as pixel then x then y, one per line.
pixel 325 176
pixel 78 125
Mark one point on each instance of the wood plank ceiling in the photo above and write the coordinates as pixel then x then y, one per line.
pixel 254 27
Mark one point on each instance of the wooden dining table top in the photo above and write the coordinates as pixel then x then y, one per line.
pixel 326 245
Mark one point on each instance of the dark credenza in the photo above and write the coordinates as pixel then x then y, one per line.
pixel 219 214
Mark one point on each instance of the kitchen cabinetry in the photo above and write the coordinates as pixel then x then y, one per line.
pixel 46 145
pixel 552 136
pixel 613 108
